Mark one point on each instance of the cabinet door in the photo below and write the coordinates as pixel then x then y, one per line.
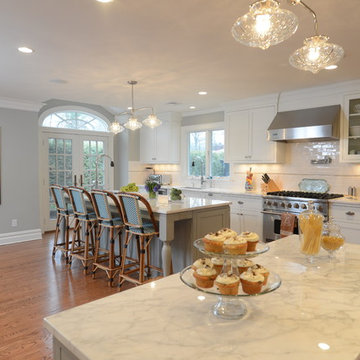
pixel 235 222
pixel 237 130
pixel 261 148
pixel 163 133
pixel 252 221
pixel 147 145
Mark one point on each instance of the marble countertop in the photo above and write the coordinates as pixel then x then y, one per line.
pixel 313 315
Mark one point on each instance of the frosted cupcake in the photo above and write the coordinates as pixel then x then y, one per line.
pixel 228 233
pixel 214 242
pixel 243 265
pixel 261 270
pixel 228 283
pixel 251 238
pixel 205 277
pixel 200 263
pixel 218 264
pixel 251 282
pixel 237 245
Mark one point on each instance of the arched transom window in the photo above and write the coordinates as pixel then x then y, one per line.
pixel 78 120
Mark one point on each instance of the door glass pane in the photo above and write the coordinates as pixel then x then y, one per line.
pixel 60 146
pixel 217 165
pixel 68 163
pixel 197 153
pixel 60 162
pixel 52 148
pixel 68 146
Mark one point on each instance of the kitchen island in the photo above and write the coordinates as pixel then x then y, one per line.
pixel 313 315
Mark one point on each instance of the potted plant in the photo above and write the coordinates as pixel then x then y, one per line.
pixel 152 188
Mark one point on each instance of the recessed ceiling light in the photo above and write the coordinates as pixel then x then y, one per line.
pixel 331 67
pixel 129 107
pixel 192 107
pixel 202 92
pixel 105 1
pixel 25 50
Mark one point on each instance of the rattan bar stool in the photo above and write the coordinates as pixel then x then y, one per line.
pixel 142 228
pixel 112 221
pixel 85 223
pixel 63 214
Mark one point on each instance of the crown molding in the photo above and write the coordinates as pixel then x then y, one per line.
pixel 189 113
pixel 17 104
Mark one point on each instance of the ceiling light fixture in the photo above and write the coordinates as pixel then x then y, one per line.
pixel 265 25
pixel 105 1
pixel 202 92
pixel 133 123
pixel 25 50
pixel 331 67
pixel 317 53
pixel 192 107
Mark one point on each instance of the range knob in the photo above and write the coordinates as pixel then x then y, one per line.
pixel 269 203
pixel 303 206
pixel 289 205
pixel 320 208
pixel 282 204
pixel 275 204
pixel 296 205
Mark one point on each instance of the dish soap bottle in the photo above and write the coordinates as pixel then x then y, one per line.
pixel 249 181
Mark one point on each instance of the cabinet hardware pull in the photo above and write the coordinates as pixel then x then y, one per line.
pixel 240 202
pixel 210 194
pixel 351 213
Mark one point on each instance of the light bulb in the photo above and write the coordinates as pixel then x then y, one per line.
pixel 133 124
pixel 313 54
pixel 116 128
pixel 152 121
pixel 262 24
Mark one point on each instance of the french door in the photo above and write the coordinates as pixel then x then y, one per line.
pixel 73 159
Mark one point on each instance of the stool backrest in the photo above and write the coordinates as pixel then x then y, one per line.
pixel 78 197
pixel 130 207
pixel 58 194
pixel 101 204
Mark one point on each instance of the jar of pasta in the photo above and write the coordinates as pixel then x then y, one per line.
pixel 332 239
pixel 310 231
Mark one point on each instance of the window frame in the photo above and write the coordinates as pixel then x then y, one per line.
pixel 185 140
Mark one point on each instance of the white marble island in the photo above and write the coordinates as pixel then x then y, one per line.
pixel 315 314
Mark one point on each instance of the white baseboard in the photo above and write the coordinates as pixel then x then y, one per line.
pixel 20 236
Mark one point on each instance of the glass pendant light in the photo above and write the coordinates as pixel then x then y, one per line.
pixel 317 53
pixel 116 127
pixel 264 25
pixel 152 121
pixel 133 123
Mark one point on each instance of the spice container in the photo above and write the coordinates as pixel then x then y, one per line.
pixel 310 231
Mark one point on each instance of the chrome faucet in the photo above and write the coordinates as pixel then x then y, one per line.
pixel 97 166
pixel 202 180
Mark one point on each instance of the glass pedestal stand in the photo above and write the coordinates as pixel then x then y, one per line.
pixel 229 308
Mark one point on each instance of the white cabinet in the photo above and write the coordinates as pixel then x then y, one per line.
pixel 162 144
pixel 246 137
pixel 350 132
pixel 348 218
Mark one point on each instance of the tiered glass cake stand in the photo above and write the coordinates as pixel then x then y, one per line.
pixel 230 306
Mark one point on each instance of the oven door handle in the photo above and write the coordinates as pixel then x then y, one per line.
pixel 270 213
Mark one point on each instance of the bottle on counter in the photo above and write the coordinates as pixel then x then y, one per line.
pixel 249 181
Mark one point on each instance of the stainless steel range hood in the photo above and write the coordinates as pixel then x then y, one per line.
pixel 322 123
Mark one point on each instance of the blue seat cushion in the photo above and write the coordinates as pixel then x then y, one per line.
pixel 114 222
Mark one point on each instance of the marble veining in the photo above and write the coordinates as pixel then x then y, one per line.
pixel 313 315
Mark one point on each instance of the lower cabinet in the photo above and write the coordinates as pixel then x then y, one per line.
pixel 348 218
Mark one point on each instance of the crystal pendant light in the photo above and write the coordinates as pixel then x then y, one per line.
pixel 116 127
pixel 152 121
pixel 264 25
pixel 133 123
pixel 317 53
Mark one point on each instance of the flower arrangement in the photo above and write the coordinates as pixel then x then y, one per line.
pixel 152 188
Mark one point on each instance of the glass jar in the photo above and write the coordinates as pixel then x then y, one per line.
pixel 332 239
pixel 310 231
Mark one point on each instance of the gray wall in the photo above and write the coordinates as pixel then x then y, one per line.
pixel 203 119
pixel 19 170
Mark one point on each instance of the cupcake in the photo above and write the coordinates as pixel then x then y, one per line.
pixel 251 282
pixel 205 277
pixel 251 238
pixel 243 264
pixel 199 263
pixel 261 270
pixel 228 283
pixel 235 245
pixel 213 242
pixel 218 264
pixel 228 233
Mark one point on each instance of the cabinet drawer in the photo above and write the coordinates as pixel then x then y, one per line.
pixel 346 213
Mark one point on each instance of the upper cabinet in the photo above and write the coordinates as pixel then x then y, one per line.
pixel 162 144
pixel 350 139
pixel 246 137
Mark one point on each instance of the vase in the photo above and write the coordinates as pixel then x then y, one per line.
pixel 152 195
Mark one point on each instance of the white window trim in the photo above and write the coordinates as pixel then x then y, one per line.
pixel 185 130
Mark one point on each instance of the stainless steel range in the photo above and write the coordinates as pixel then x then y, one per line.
pixel 294 202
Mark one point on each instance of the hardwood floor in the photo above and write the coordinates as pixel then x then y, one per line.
pixel 33 286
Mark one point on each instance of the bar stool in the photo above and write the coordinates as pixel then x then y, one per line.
pixel 63 213
pixel 85 222
pixel 105 259
pixel 143 229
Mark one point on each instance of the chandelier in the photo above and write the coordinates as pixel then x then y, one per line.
pixel 133 123
pixel 266 24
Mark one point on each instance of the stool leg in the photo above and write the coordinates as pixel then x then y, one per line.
pixel 57 229
pixel 123 257
pixel 86 246
pixel 67 230
pixel 147 247
pixel 76 225
pixel 111 257
pixel 142 259
pixel 97 246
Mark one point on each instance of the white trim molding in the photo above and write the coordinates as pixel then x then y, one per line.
pixel 20 236
pixel 17 104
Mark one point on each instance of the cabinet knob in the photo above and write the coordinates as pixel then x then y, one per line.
pixel 153 158
pixel 210 194
pixel 351 213
pixel 240 202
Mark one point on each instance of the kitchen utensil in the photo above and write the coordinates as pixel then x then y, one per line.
pixel 265 178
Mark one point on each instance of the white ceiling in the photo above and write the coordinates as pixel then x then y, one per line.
pixel 174 48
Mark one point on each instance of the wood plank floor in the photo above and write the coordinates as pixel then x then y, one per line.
pixel 33 286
